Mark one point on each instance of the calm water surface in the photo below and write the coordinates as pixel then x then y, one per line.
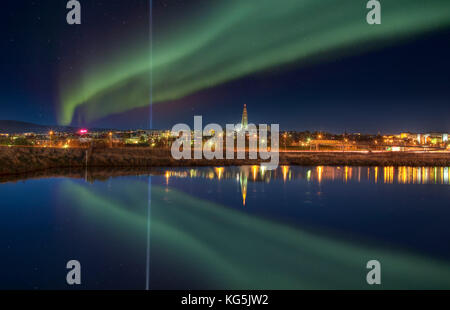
pixel 229 228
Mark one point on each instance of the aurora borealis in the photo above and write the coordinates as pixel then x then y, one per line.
pixel 319 60
pixel 226 40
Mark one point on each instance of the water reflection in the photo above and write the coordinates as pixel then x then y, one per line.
pixel 255 173
pixel 197 243
pixel 243 183
pixel 320 174
pixel 389 175
pixel 302 227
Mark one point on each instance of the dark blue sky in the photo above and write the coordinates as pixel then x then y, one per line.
pixel 402 87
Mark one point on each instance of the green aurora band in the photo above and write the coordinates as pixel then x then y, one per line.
pixel 233 38
pixel 223 248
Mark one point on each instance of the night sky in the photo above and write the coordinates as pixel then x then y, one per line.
pixel 293 65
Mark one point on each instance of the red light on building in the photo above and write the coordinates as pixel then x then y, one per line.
pixel 82 131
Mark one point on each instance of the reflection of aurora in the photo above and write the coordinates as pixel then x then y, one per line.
pixel 230 39
pixel 226 248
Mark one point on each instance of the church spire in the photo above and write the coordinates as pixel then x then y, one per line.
pixel 244 121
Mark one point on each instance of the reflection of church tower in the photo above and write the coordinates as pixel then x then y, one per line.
pixel 243 181
pixel 244 121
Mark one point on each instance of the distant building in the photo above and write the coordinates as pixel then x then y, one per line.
pixel 432 138
pixel 436 138
pixel 408 135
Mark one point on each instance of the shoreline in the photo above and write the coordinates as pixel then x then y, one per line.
pixel 20 160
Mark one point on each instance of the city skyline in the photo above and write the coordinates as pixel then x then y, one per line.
pixel 28 127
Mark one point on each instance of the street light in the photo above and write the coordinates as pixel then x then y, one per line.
pixel 51 135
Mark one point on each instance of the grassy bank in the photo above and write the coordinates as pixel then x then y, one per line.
pixel 15 160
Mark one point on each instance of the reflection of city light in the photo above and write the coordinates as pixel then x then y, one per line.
pixel 285 172
pixel 263 171
pixel 403 175
pixel 167 177
pixel 219 172
pixel 254 171
pixel 391 175
pixel 319 173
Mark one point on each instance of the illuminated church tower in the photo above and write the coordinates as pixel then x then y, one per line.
pixel 244 121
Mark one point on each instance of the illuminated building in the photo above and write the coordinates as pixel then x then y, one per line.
pixel 436 138
pixel 432 138
pixel 244 122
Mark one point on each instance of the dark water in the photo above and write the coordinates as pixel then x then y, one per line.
pixel 229 228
